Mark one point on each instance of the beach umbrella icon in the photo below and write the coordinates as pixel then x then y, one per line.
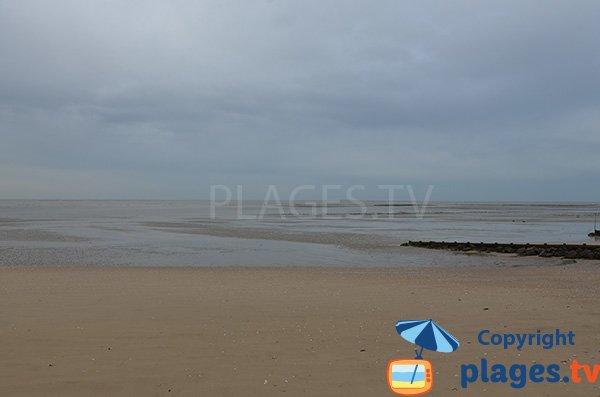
pixel 427 335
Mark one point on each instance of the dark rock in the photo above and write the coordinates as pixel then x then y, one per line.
pixel 531 251
pixel 571 254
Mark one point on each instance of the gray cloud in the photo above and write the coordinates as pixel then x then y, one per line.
pixel 493 100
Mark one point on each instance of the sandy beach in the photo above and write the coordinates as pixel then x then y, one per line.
pixel 98 331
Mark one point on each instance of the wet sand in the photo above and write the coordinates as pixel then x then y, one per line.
pixel 98 331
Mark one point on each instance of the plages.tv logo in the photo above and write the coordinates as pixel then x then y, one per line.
pixel 412 377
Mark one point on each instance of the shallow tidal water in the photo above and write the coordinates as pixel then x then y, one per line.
pixel 185 233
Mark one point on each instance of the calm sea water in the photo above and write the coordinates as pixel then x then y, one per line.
pixel 184 233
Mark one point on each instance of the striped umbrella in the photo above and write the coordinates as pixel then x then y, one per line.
pixel 428 335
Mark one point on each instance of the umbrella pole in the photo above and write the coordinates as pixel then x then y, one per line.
pixel 419 356
pixel 414 373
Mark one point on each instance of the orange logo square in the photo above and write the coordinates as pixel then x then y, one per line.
pixel 410 377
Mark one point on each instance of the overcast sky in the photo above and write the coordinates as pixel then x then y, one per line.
pixel 486 100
